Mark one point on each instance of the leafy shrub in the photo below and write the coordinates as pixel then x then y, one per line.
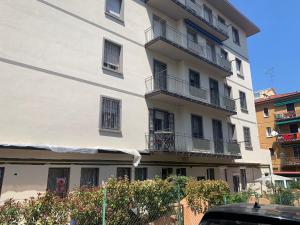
pixel 119 201
pixel 206 193
pixel 45 209
pixel 294 185
pixel 153 198
pixel 10 212
pixel 239 197
pixel 283 197
pixel 179 183
pixel 86 206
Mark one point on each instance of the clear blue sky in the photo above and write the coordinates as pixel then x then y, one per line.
pixel 277 46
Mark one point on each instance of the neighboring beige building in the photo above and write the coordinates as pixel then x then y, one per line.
pixel 278 118
pixel 89 87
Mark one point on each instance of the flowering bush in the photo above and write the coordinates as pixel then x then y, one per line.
pixel 10 212
pixel 46 209
pixel 206 193
pixel 85 206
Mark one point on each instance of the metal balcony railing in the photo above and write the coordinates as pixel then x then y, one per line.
pixel 198 9
pixel 287 115
pixel 164 82
pixel 174 36
pixel 166 141
pixel 290 161
pixel 289 137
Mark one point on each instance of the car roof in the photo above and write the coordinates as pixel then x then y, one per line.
pixel 271 211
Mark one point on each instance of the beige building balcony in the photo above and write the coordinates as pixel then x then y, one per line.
pixel 174 44
pixel 172 89
pixel 168 141
pixel 193 11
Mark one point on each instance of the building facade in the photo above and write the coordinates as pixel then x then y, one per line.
pixel 88 88
pixel 278 118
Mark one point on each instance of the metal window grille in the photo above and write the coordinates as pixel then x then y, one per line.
pixel 110 114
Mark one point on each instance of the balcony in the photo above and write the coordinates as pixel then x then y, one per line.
pixel 289 138
pixel 172 89
pixel 188 9
pixel 288 117
pixel 170 42
pixel 166 141
pixel 290 161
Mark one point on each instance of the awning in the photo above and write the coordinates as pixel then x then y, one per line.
pixel 287 102
pixel 202 31
pixel 288 121
pixel 84 150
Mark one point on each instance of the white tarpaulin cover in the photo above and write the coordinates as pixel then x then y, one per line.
pixel 85 150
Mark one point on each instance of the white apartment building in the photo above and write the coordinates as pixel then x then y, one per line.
pixel 89 88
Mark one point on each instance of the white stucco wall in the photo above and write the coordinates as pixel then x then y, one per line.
pixel 52 79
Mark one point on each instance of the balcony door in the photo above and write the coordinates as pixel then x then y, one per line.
pixel 294 128
pixel 211 52
pixel 159 27
pixel 236 183
pixel 194 83
pixel 218 136
pixel 161 130
pixel 192 41
pixel 214 92
pixel 208 16
pixel 290 107
pixel 160 75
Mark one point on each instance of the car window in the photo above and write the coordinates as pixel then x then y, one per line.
pixel 229 222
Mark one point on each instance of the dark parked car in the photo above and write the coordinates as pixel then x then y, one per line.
pixel 247 214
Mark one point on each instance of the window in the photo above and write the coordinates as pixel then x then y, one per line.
pixel 89 177
pixel 266 112
pixel 296 150
pixel 194 79
pixel 226 175
pixel 141 174
pixel 269 132
pixel 231 133
pixel 112 56
pixel 227 91
pixel 159 26
pixel 201 178
pixel 166 172
pixel 1 178
pixel 124 172
pixel 221 20
pixel 197 126
pixel 208 14
pixel 235 36
pixel 224 54
pixel 181 171
pixel 290 107
pixel 110 114
pixel 247 138
pixel 239 68
pixel 114 7
pixel 210 172
pixel 58 180
pixel 243 102
pixel 243 179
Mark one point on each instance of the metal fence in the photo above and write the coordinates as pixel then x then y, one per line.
pixel 164 82
pixel 176 37
pixel 173 142
pixel 198 9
